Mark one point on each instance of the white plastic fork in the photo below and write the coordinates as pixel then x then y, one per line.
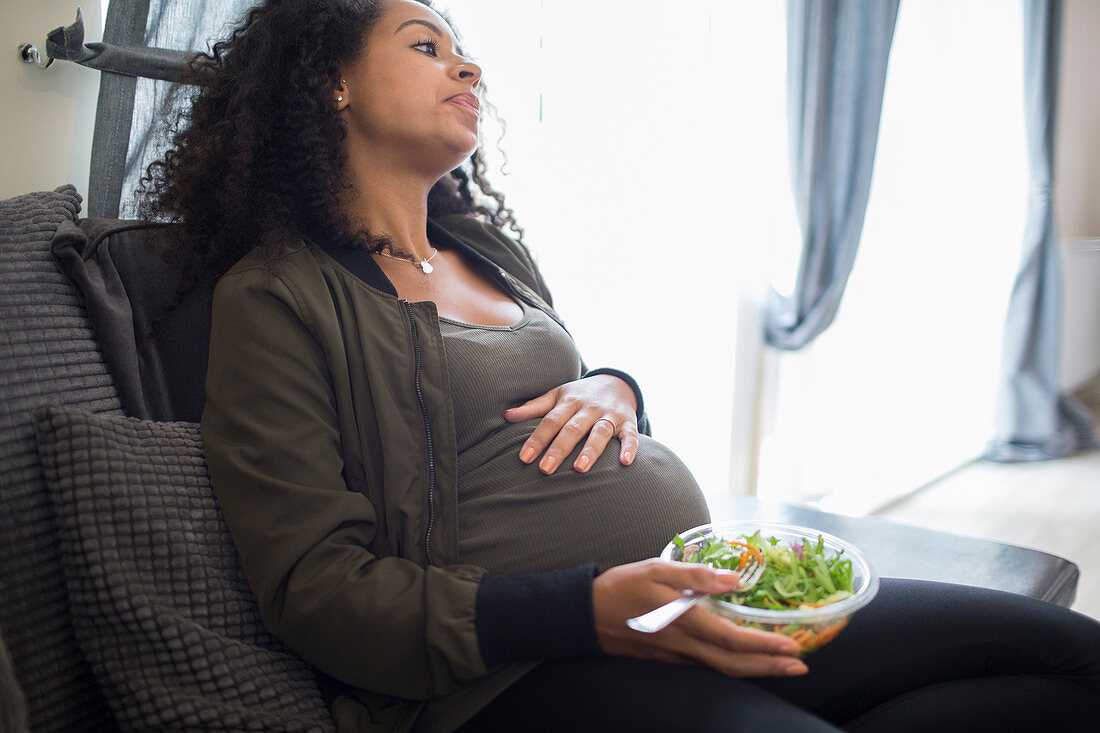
pixel 662 616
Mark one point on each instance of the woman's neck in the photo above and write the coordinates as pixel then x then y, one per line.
pixel 394 205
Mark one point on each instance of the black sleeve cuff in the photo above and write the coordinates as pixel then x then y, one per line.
pixel 536 616
pixel 643 419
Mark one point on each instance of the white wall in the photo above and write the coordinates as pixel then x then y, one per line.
pixel 1077 191
pixel 47 117
pixel 1077 166
pixel 1081 315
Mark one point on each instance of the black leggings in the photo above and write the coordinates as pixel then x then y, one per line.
pixel 921 657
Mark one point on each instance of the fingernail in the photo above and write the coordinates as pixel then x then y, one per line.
pixel 527 454
pixel 628 457
pixel 795 668
pixel 547 465
pixel 725 573
pixel 582 463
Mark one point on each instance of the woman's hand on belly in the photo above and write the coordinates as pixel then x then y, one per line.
pixel 698 636
pixel 602 407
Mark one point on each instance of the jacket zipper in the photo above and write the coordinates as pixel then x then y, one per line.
pixel 427 432
pixel 404 714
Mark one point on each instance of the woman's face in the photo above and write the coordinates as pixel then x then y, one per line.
pixel 410 96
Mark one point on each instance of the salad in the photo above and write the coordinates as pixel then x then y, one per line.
pixel 796 575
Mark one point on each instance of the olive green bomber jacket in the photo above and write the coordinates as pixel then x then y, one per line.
pixel 329 435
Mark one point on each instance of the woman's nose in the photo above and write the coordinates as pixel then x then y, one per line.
pixel 469 72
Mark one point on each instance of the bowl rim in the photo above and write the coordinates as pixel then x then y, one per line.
pixel 849 605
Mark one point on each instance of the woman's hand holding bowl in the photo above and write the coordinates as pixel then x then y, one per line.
pixel 697 637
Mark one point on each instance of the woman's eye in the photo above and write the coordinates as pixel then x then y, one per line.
pixel 429 47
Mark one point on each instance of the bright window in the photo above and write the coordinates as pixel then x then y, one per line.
pixel 901 388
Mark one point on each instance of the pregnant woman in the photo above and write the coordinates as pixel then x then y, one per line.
pixel 436 502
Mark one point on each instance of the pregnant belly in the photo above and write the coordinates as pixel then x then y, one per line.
pixel 514 519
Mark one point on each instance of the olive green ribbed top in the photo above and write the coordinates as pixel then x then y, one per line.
pixel 511 517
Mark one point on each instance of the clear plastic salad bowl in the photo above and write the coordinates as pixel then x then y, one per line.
pixel 810 627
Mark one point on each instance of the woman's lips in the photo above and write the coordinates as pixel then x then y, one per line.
pixel 467 101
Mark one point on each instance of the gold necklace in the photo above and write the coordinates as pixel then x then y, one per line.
pixel 422 264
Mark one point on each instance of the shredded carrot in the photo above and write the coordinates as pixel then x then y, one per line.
pixel 746 556
pixel 803 637
pixel 830 633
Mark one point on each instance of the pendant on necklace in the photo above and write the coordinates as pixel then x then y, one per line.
pixel 426 266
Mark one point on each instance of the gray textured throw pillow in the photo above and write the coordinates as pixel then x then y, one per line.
pixel 48 353
pixel 160 603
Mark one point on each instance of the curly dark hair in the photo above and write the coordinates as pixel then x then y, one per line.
pixel 255 157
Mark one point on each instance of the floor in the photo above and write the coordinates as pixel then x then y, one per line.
pixel 1052 506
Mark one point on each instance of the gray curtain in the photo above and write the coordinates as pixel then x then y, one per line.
pixel 837 52
pixel 1034 421
pixel 145 44
pixel 124 28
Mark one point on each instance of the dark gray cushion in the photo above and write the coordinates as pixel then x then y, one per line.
pixel 150 319
pixel 47 354
pixel 160 603
pixel 13 706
